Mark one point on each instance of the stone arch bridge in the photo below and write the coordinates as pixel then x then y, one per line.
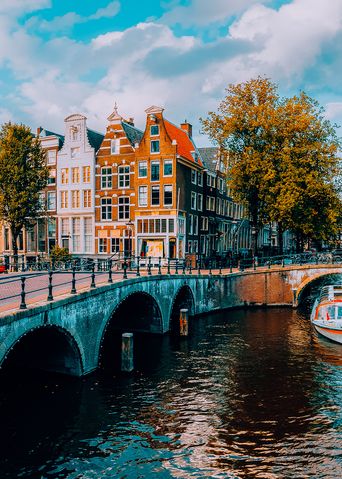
pixel 73 327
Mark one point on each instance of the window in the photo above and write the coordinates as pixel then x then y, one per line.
pixel 106 208
pixel 52 177
pixel 75 199
pixel 204 221
pixel 163 225
pixel 114 245
pixel 142 169
pixel 51 200
pixel 51 157
pixel 155 167
pixel 86 198
pixel 142 195
pixel 41 201
pixel 75 175
pixel 189 246
pixel 195 246
pixel 86 174
pixel 74 133
pixel 167 168
pixel 167 195
pixel 76 237
pixel 191 224
pixel 102 245
pixel 210 203
pixel 51 227
pixel 88 235
pixel 154 130
pixel 181 226
pixel 124 208
pixel 123 176
pixel 64 176
pixel 155 148
pixel 115 146
pixel 193 177
pixel 65 226
pixel 64 199
pixel 75 152
pixel 200 178
pixel 193 200
pixel 106 178
pixel 199 201
pixel 155 195
pixel 195 225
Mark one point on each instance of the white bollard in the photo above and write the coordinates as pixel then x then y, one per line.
pixel 184 322
pixel 127 364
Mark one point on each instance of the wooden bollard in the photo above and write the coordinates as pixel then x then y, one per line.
pixel 127 364
pixel 184 322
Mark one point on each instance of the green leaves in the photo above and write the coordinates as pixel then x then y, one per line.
pixel 23 174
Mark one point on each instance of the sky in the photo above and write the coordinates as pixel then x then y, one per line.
pixel 59 57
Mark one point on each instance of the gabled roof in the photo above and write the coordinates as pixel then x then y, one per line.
pixel 43 132
pixel 185 146
pixel 133 134
pixel 209 157
pixel 95 138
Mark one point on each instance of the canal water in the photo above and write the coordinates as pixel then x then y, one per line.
pixel 250 394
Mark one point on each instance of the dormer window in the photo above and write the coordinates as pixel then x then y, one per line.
pixel 154 130
pixel 195 156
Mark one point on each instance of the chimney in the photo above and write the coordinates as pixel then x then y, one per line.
pixel 187 127
pixel 39 130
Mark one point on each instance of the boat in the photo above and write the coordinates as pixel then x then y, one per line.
pixel 326 315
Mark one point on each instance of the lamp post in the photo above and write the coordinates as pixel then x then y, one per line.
pixel 129 225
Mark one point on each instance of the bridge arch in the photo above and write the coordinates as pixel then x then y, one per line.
pixel 183 298
pixel 137 312
pixel 47 347
pixel 315 279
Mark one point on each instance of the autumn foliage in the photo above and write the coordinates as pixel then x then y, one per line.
pixel 282 158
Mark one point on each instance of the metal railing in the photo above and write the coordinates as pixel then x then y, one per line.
pixel 83 273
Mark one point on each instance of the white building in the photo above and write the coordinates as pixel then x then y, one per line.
pixel 76 186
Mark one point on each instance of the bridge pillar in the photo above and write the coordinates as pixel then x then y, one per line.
pixel 295 298
pixel 127 353
pixel 184 322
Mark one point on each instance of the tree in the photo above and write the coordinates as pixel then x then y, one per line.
pixel 244 128
pixel 58 254
pixel 23 175
pixel 282 158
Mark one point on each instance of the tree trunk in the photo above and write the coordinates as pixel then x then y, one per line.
pixel 280 239
pixel 297 242
pixel 15 235
pixel 254 242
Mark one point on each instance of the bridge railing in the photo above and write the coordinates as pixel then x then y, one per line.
pixel 57 279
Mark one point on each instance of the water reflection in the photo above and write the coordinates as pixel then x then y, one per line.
pixel 250 394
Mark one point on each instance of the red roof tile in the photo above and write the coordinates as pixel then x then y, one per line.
pixel 184 144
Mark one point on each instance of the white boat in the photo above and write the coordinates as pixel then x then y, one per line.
pixel 326 315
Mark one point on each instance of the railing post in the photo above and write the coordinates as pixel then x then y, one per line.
pixel 92 284
pixel 230 265
pixel 254 263
pixel 23 294
pixel 210 266
pixel 138 265
pixel 176 271
pixel 316 258
pixel 50 295
pixel 300 259
pixel 269 263
pixel 220 267
pixel 110 278
pixel 125 269
pixel 190 268
pixel 168 266
pixel 159 265
pixel 282 262
pixel 199 265
pixel 184 266
pixel 149 272
pixel 73 281
pixel 22 263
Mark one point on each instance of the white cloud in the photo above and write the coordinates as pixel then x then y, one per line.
pixel 333 110
pixel 5 115
pixel 14 7
pixel 111 10
pixel 202 13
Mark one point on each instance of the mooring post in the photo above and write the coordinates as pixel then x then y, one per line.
pixel 22 294
pixel 127 364
pixel 92 284
pixel 184 322
pixel 110 278
pixel 50 295
pixel 73 282
pixel 138 266
pixel 159 265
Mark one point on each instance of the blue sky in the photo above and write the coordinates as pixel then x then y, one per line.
pixel 64 56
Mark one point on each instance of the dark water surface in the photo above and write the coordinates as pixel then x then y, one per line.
pixel 250 394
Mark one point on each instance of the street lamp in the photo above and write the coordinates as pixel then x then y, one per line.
pixel 130 225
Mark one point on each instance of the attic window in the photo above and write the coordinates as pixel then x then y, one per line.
pixel 74 133
pixel 154 130
pixel 195 156
pixel 115 146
